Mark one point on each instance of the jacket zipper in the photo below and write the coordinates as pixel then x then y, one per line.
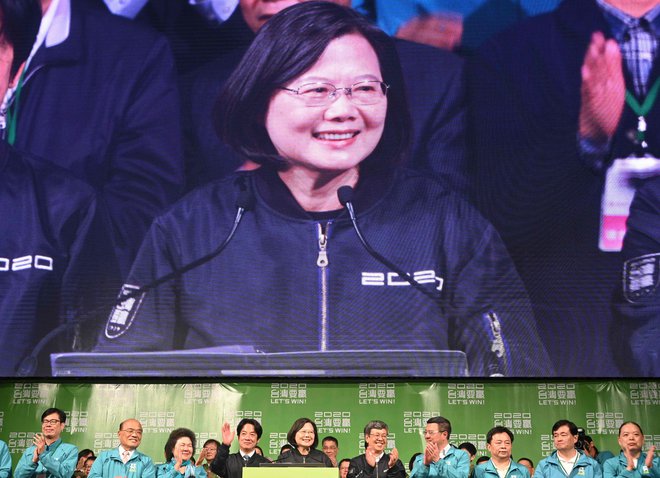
pixel 322 263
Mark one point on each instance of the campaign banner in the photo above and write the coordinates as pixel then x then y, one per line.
pixel 339 408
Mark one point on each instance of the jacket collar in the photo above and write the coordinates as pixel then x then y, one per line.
pixel 63 42
pixel 276 195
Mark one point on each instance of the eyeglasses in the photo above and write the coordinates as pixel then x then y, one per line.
pixel 130 431
pixel 367 92
pixel 50 422
pixel 382 436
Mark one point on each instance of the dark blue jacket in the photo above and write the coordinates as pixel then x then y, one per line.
pixel 268 290
pixel 434 88
pixel 637 303
pixel 55 259
pixel 104 105
pixel 524 90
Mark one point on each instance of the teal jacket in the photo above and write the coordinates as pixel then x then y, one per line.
pixel 488 470
pixel 57 461
pixel 616 467
pixel 109 465
pixel 166 470
pixel 585 467
pixel 5 461
pixel 455 464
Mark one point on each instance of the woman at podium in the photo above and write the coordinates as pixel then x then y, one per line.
pixel 304 437
pixel 318 103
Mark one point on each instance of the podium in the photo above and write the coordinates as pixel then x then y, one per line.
pixel 212 362
pixel 290 472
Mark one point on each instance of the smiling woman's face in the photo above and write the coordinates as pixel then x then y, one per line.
pixel 339 135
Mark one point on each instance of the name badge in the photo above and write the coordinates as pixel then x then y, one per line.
pixel 620 185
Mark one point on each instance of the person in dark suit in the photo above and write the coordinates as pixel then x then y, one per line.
pixel 56 262
pixel 230 465
pixel 547 120
pixel 637 299
pixel 107 111
pixel 433 81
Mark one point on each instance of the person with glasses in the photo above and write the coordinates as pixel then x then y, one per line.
pixel 318 100
pixel 330 447
pixel 208 453
pixel 374 462
pixel 230 465
pixel 440 459
pixel 49 456
pixel 304 437
pixel 125 460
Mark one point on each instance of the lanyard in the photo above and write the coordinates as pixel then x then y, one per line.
pixel 12 111
pixel 641 110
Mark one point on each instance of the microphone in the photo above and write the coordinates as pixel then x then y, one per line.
pixel 345 196
pixel 244 202
pixel 498 368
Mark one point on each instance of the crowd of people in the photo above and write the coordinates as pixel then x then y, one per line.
pixel 242 170
pixel 574 454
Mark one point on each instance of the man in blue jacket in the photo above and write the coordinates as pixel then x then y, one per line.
pixel 125 460
pixel 566 461
pixel 499 442
pixel 440 459
pixel 49 456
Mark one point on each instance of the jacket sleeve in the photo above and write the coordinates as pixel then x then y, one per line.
pixel 219 464
pixel 26 467
pixel 148 321
pixel 440 468
pixel 493 319
pixel 146 172
pixel 355 468
pixel 397 471
pixel 443 137
pixel 5 461
pixel 97 467
pixel 149 470
pixel 62 462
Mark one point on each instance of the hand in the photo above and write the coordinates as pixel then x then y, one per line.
pixel 178 460
pixel 227 434
pixel 649 457
pixel 630 466
pixel 603 90
pixel 371 457
pixel 39 441
pixel 431 453
pixel 394 456
pixel 202 455
pixel 440 31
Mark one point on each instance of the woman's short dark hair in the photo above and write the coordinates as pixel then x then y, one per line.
pixel 286 47
pixel 297 426
pixel 19 24
pixel 174 436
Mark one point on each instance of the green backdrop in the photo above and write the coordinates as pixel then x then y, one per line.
pixel 340 409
